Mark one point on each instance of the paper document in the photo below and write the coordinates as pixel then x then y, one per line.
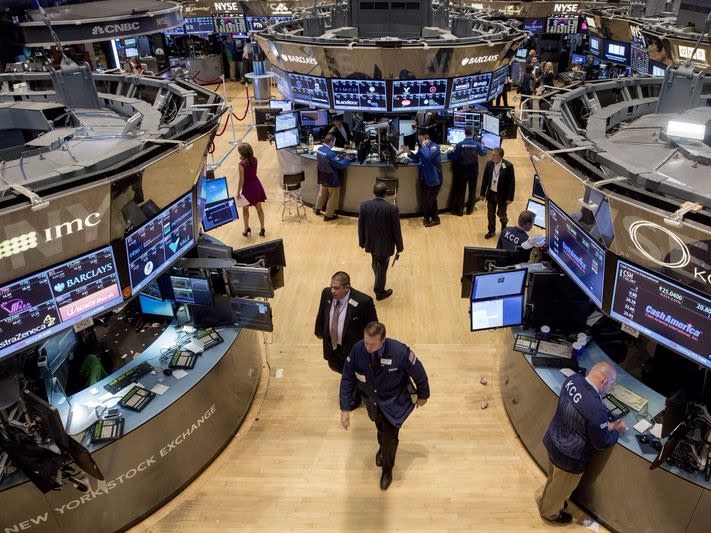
pixel 567 372
pixel 656 431
pixel 642 426
pixel 159 388
pixel 179 374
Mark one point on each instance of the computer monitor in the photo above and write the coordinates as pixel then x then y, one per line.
pixel 310 90
pixel 490 123
pixel 539 209
pixel 131 52
pixel 495 313
pixel 455 135
pixel 219 214
pixel 498 284
pixel 522 53
pixel 477 260
pixel 284 105
pixel 359 95
pixel 191 290
pixel 538 190
pixel 286 138
pixel 286 121
pixel 577 59
pixel 252 314
pixel 154 307
pixel 596 45
pixel 553 299
pixel 617 51
pixel 463 119
pixel 314 117
pixel 199 25
pixel 216 190
pixel 250 281
pixel 416 95
pixel 490 140
pixel 576 252
pixel 210 247
pixel 467 90
pixel 269 254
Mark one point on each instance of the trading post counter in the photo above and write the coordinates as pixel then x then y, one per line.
pixel 193 416
pixel 358 181
pixel 618 487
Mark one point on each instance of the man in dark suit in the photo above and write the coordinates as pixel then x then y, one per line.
pixel 341 132
pixel 497 188
pixel 380 234
pixel 342 315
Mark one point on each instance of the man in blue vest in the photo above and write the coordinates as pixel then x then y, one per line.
pixel 465 171
pixel 515 238
pixel 329 166
pixel 429 157
pixel 578 429
pixel 384 368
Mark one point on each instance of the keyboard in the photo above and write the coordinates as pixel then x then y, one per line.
pixel 209 337
pixel 628 397
pixel 553 362
pixel 128 377
pixel 615 408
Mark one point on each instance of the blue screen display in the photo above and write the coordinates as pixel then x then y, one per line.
pixel 219 214
pixel 497 313
pixel 153 306
pixel 577 59
pixel 366 95
pixel 216 190
pixel 194 291
pixel 414 95
pixel 490 140
pixel 309 90
pixel 596 45
pixel 470 90
pixel 577 253
pixel 498 284
pixel 498 80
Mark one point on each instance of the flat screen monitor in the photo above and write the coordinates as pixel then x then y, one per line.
pixel 58 348
pixel 216 190
pixel 617 52
pixel 490 140
pixel 562 24
pixel 42 304
pixel 656 68
pixel 522 53
pixel 310 90
pixel 497 313
pixel 359 95
pixel 498 80
pixel 477 260
pixel 539 209
pixel 468 90
pixel 250 281
pixel 576 252
pixel 131 52
pixel 595 44
pixel 577 59
pixel 261 23
pixel 534 25
pixel 252 314
pixel 538 190
pixel 314 118
pixel 178 30
pixel 415 95
pixel 284 105
pixel 154 246
pixel 191 290
pixel 490 123
pixel 590 21
pixel 219 214
pixel 286 121
pixel 670 314
pixel 462 120
pixel 199 25
pixel 230 24
pixel 498 284
pixel 455 135
pixel 155 307
pixel 209 247
pixel 269 254
pixel 286 139
pixel 406 127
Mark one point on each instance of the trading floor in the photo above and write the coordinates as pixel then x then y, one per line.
pixel 292 467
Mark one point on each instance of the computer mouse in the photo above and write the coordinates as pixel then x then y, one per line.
pixel 168 372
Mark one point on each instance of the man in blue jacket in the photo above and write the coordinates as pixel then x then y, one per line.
pixel 465 171
pixel 384 368
pixel 329 167
pixel 429 158
pixel 578 429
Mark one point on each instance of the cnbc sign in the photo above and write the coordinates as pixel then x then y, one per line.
pixel 72 223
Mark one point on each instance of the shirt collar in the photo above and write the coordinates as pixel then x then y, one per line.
pixel 592 385
pixel 344 299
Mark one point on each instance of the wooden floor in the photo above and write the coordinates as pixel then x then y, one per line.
pixel 293 468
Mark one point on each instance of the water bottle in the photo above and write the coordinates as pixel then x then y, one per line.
pixel 311 141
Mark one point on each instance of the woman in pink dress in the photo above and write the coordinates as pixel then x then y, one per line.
pixel 250 187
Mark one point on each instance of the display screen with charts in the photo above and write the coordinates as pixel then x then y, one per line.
pixel 498 80
pixel 199 25
pixel 311 90
pixel 538 209
pixel 413 95
pixel 468 90
pixel 562 24
pixel 151 248
pixel 286 121
pixel 44 303
pixel 490 123
pixel 219 213
pixel 286 138
pixel 497 299
pixel 230 23
pixel 490 140
pixel 462 120
pixel 357 95
pixel 670 314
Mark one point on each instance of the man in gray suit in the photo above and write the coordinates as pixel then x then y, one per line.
pixel 379 233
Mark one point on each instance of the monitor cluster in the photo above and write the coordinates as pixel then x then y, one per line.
pixel 235 24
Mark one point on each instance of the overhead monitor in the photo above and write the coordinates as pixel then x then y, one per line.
pixel 310 90
pixel 617 52
pixel 155 307
pixel 498 81
pixel 539 209
pixel 669 313
pixel 489 140
pixel 462 120
pixel 577 59
pixel 219 214
pixel 468 90
pixel 534 25
pixel 230 24
pixel 286 121
pixel 314 117
pixel 250 281
pixel 538 190
pixel 497 313
pixel 595 43
pixel 54 299
pixel 154 246
pixel 286 139
pixel 216 190
pixel 455 135
pixel 565 24
pixel 490 123
pixel 284 105
pixel 359 95
pixel 191 290
pixel 657 69
pixel 415 95
pixel 199 25
pixel 576 252
pixel 522 53
pixel 260 23
pixel 252 314
pixel 498 284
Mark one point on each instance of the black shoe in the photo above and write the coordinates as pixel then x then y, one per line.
pixel 490 235
pixel 562 518
pixel 425 221
pixel 432 223
pixel 316 211
pixel 383 295
pixel 379 457
pixel 470 210
pixel 328 219
pixel 458 213
pixel 387 477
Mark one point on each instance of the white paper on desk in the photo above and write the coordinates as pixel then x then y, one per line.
pixel 159 388
pixel 567 372
pixel 642 426
pixel 656 431
pixel 179 374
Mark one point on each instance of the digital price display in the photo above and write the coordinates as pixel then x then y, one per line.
pixel 639 58
pixel 534 25
pixel 576 253
pixel 664 311
pixel 42 304
pixel 617 52
pixel 414 95
pixel 470 90
pixel 151 247
pixel 261 23
pixel 562 24
pixel 498 80
pixel 359 95
pixel 311 90
pixel 595 44
pixel 199 25
pixel 230 23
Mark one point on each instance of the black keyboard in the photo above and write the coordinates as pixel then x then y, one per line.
pixel 553 362
pixel 128 377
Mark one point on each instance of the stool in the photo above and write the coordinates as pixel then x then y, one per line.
pixel 291 188
pixel 391 184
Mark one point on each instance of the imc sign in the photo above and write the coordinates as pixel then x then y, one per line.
pixel 72 224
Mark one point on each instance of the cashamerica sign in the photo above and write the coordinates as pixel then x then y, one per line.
pixel 73 223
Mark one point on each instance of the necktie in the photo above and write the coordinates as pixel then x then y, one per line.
pixel 334 324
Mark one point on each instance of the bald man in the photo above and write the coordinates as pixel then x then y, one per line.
pixel 579 428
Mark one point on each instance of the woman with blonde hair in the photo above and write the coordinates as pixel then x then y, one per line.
pixel 548 74
pixel 251 192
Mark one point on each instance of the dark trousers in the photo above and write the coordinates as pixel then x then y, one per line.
pixel 387 439
pixel 336 359
pixel 380 269
pixel 503 96
pixel 463 178
pixel 429 202
pixel 496 207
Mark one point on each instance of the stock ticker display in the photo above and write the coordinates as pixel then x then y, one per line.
pixel 414 95
pixel 356 95
pixel 470 90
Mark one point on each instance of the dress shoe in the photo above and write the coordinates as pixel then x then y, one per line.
pixel 425 221
pixel 316 211
pixel 458 213
pixel 490 235
pixel 387 477
pixel 432 223
pixel 328 219
pixel 379 457
pixel 383 295
pixel 562 518
pixel 470 210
